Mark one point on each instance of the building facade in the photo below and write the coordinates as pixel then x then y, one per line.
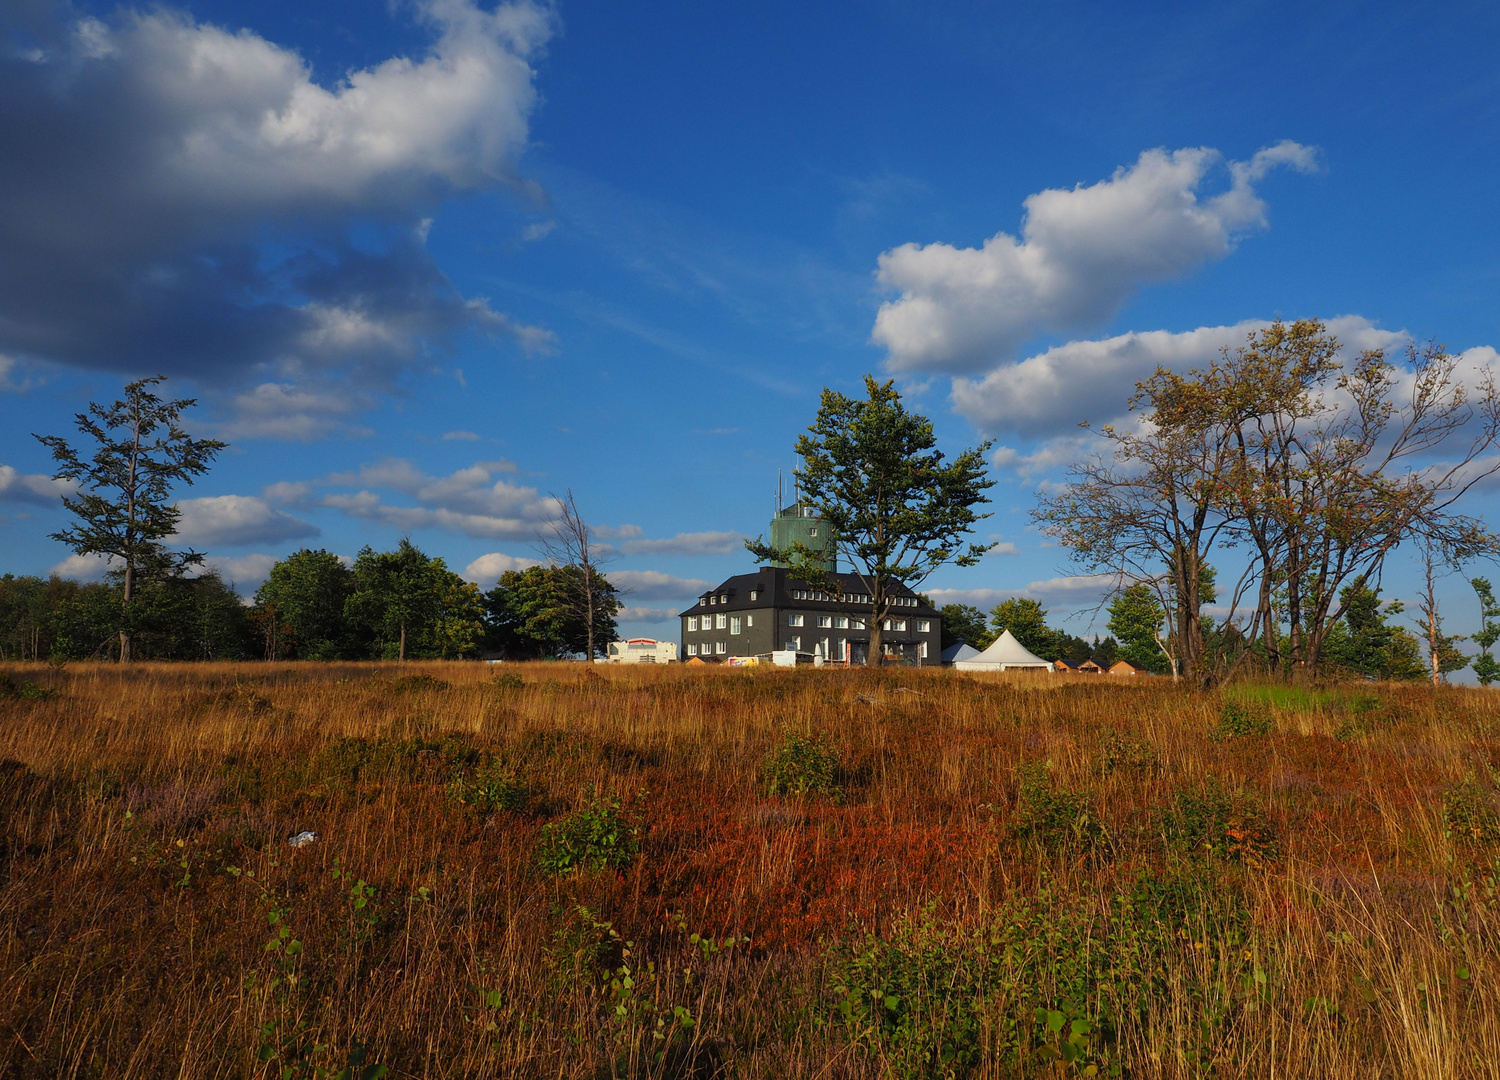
pixel 769 610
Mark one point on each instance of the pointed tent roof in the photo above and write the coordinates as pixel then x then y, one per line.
pixel 1006 652
pixel 959 650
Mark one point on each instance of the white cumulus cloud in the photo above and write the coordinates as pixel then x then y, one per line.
pixel 231 520
pixel 1081 254
pixel 1045 397
pixel 188 198
pixel 38 488
pixel 486 569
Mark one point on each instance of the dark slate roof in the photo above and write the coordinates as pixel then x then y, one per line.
pixel 775 584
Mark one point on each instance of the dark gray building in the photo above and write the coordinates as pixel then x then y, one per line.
pixel 768 610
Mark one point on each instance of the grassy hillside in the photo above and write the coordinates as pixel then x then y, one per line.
pixel 570 872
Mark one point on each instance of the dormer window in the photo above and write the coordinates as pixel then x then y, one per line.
pixel 754 595
pixel 723 599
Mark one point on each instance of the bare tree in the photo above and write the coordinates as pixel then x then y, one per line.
pixel 569 542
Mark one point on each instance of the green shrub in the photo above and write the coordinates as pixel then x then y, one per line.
pixel 25 691
pixel 1358 720
pixel 938 999
pixel 1469 812
pixel 1118 752
pixel 801 765
pixel 491 786
pixel 596 836
pixel 1215 822
pixel 412 684
pixel 1053 818
pixel 1239 719
pixel 508 680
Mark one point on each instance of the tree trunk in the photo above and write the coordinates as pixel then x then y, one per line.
pixel 873 657
pixel 588 605
pixel 125 611
pixel 403 643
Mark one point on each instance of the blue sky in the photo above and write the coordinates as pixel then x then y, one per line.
pixel 425 263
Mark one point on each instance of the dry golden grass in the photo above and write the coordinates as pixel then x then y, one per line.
pixel 1282 904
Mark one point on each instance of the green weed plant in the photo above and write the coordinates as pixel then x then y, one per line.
pixel 596 836
pixel 801 765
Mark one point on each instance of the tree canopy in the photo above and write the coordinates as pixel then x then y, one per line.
pixel 123 488
pixel 897 507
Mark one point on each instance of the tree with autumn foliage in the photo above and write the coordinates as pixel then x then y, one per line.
pixel 1317 464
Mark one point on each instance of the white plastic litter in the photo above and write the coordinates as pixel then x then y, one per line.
pixel 302 839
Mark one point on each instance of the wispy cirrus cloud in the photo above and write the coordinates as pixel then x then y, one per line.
pixel 698 543
pixel 472 500
pixel 655 585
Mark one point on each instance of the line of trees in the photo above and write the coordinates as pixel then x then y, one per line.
pixel 387 605
pixel 155 603
pixel 1312 470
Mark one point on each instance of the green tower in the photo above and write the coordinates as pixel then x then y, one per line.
pixel 801 523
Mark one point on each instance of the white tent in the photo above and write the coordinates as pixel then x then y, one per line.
pixel 959 650
pixel 1005 654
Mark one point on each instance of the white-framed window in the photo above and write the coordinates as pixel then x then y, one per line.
pixel 754 594
pixel 692 622
pixel 825 620
pixel 794 643
pixel 856 624
pixel 702 601
pixel 734 624
pixel 895 624
pixel 823 649
pixel 812 531
pixel 924 626
pixel 794 620
pixel 692 650
pixel 841 622
pixel 721 621
pixel 843 650
pixel 749 620
pixel 720 648
pixel 922 650
pixel 713 599
pixel 723 599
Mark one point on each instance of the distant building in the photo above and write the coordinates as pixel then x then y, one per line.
pixel 642 651
pixel 1125 667
pixel 773 611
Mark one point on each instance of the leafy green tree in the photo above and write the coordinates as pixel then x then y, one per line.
pixel 961 622
pixel 1135 621
pixel 1027 621
pixel 896 507
pixel 533 613
pixel 459 627
pixel 1362 641
pixel 122 502
pixel 397 595
pixel 1485 665
pixel 306 592
pixel 191 618
pixel 1106 652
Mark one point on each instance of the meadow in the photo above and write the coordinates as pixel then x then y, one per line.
pixel 554 870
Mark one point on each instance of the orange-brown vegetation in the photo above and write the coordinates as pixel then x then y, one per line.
pixel 992 877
